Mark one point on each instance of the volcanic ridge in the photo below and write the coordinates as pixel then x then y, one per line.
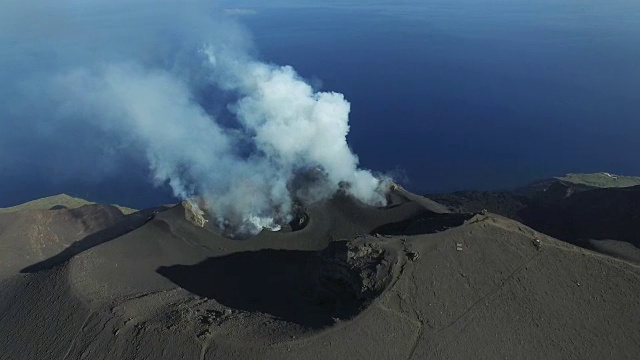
pixel 413 279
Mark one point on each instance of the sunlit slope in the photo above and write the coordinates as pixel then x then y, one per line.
pixel 61 200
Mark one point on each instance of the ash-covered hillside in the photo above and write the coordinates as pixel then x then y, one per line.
pixel 598 211
pixel 347 280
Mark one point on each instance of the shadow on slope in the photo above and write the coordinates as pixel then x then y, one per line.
pixel 425 222
pixel 123 226
pixel 601 214
pixel 312 289
pixel 473 201
pixel 606 220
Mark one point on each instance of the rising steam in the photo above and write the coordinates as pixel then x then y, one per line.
pixel 283 143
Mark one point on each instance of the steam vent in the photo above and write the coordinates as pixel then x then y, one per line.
pixel 194 214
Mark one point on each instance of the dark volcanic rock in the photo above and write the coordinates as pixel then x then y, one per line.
pixel 312 289
pixel 588 216
pixel 497 202
pixel 600 214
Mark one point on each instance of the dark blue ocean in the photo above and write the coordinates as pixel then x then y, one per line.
pixel 472 93
pixel 449 94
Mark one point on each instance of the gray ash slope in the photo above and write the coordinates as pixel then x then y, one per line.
pixel 408 281
pixel 597 211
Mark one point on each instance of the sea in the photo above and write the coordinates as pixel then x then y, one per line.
pixel 470 94
pixel 446 94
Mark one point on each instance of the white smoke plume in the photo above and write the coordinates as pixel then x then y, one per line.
pixel 246 170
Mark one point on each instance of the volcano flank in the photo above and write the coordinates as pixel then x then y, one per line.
pixel 349 281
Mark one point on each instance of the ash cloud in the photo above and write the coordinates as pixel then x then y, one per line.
pixel 143 77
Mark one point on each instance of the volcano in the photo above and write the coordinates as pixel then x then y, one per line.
pixel 410 280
